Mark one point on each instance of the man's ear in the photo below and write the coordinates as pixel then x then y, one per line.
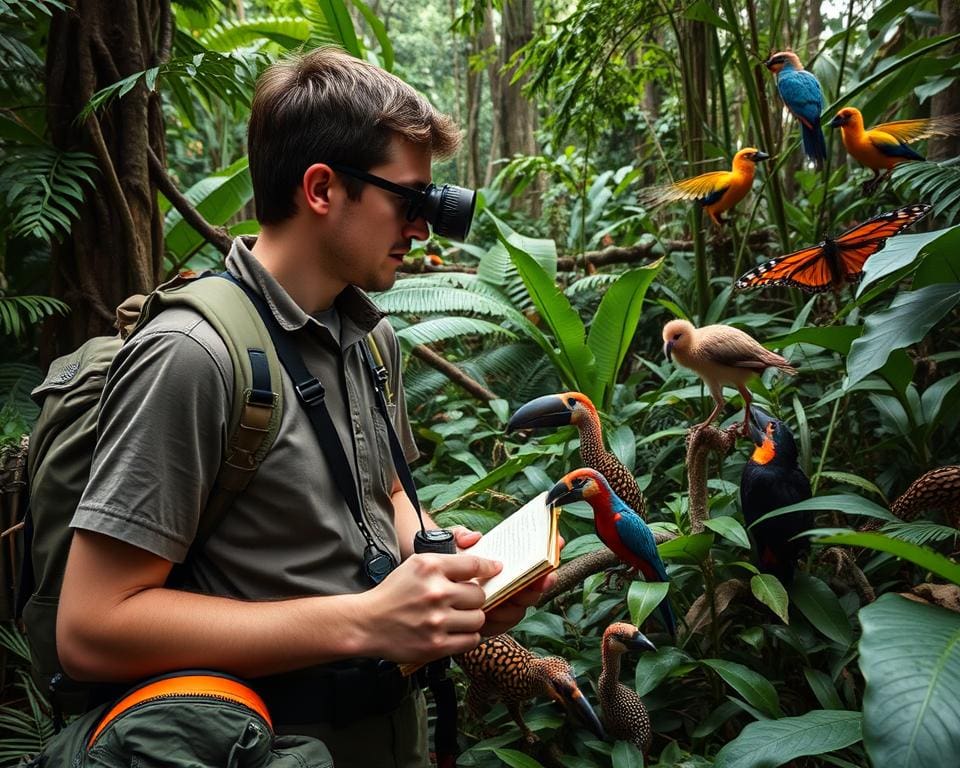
pixel 316 184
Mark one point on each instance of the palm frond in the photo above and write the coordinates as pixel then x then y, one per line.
pixel 590 284
pixel 28 9
pixel 41 187
pixel 25 722
pixel 421 384
pixel 442 328
pixel 18 313
pixel 230 34
pixel 936 183
pixel 436 299
pixel 921 532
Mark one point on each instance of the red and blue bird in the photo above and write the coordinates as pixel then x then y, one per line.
pixel 618 526
pixel 803 96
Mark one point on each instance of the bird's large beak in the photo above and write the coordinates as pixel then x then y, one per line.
pixel 758 424
pixel 668 351
pixel 836 122
pixel 576 703
pixel 546 411
pixel 563 493
pixel 759 157
pixel 639 642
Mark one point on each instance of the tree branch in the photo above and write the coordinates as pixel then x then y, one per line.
pixel 452 372
pixel 217 236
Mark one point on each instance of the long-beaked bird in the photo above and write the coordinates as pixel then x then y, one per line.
pixel 803 96
pixel 885 146
pixel 716 191
pixel 720 354
pixel 617 526
pixel 501 668
pixel 624 714
pixel 771 479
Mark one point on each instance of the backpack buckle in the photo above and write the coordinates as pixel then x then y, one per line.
pixel 310 392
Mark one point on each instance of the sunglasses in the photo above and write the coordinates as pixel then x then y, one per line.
pixel 447 209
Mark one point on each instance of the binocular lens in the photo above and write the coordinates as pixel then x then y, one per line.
pixel 449 210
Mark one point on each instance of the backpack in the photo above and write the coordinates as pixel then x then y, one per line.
pixel 62 441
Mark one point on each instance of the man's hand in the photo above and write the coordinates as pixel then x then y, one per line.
pixel 428 608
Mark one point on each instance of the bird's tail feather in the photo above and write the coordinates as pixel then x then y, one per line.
pixel 814 144
pixel 667 617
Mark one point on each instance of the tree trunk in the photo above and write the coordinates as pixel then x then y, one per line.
pixel 116 246
pixel 947 102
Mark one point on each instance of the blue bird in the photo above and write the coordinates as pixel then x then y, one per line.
pixel 803 96
pixel 618 526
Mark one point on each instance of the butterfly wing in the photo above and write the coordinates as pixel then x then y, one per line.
pixel 806 269
pixel 859 243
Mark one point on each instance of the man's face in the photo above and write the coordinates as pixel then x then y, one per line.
pixel 376 235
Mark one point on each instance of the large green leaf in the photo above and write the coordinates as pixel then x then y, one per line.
pixel 910 658
pixel 770 743
pixel 440 328
pixel 686 549
pixel 730 528
pixel 909 318
pixel 653 668
pixel 923 556
pixel 217 198
pixel 754 687
pixel 643 597
pixel 847 503
pixel 615 324
pixel 820 606
pixel 341 25
pixel 768 590
pixel 899 252
pixel 575 360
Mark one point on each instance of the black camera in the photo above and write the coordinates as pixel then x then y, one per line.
pixel 449 210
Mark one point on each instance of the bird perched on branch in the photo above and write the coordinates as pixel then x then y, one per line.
pixel 501 668
pixel 577 409
pixel 885 146
pixel 720 354
pixel 803 96
pixel 624 714
pixel 717 191
pixel 618 526
pixel 772 479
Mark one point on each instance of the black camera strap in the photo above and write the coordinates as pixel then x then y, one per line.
pixel 311 394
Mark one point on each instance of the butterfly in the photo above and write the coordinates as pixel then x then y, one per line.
pixel 836 260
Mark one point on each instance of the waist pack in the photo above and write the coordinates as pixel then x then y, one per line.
pixel 194 719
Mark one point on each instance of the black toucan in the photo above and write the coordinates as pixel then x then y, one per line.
pixel 772 479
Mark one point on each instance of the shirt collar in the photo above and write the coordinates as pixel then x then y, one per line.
pixel 358 314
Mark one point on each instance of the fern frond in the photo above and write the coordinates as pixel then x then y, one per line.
pixel 17 313
pixel 590 283
pixel 936 183
pixel 432 300
pixel 231 34
pixel 42 187
pixel 23 9
pixel 442 328
pixel 421 385
pixel 921 532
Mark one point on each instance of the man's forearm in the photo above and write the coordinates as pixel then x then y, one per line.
pixel 406 521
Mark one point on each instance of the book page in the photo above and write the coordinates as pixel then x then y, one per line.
pixel 525 541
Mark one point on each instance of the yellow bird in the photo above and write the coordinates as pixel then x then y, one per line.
pixel 885 146
pixel 720 354
pixel 716 192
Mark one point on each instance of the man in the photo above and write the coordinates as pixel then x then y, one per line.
pixel 279 586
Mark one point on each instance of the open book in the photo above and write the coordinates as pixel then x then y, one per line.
pixel 528 546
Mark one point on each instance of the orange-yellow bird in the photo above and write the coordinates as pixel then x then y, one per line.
pixel 884 146
pixel 720 354
pixel 717 191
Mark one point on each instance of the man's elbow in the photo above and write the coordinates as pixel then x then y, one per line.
pixel 81 652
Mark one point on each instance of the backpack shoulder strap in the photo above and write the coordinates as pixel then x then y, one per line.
pixel 257 389
pixel 380 371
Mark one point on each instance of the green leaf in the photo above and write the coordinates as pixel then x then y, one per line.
pixel 847 503
pixel 771 743
pixel 582 545
pixel 768 590
pixel 643 598
pixel 442 328
pixel 615 324
pixel 625 755
pixel 910 658
pixel 836 338
pixel 822 609
pixel 701 11
pixel 653 668
pixel 754 687
pixel 686 549
pixel 823 688
pixel 923 556
pixel 730 528
pixel 899 252
pixel 338 17
pixel 516 759
pixel 851 479
pixel 909 318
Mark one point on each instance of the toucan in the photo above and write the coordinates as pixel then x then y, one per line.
pixel 772 479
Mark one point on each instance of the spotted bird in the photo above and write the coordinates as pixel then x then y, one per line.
pixel 716 192
pixel 772 479
pixel 618 526
pixel 624 714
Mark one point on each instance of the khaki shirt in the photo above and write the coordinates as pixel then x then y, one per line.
pixel 163 426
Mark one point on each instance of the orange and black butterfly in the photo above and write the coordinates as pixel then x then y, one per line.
pixel 836 260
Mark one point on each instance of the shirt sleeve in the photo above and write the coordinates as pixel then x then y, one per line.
pixel 162 429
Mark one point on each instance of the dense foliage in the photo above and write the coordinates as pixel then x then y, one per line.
pixel 565 284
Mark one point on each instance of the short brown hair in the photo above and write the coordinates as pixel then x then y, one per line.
pixel 328 106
